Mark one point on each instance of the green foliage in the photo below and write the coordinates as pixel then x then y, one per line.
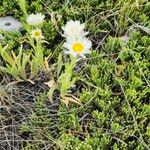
pixel 113 84
pixel 66 79
pixel 7 6
pixel 39 124
pixel 50 32
pixel 15 65
pixel 23 6
pixel 70 141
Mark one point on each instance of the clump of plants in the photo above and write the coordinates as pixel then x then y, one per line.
pixel 88 89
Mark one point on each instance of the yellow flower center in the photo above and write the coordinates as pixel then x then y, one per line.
pixel 37 34
pixel 78 47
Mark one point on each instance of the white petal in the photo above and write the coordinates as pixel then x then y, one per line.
pixel 74 29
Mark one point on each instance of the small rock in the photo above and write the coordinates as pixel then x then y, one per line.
pixel 9 23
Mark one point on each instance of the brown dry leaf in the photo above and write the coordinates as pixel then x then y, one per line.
pixel 75 101
pixel 32 82
pixel 66 101
pixel 75 98
pixel 46 63
pixel 71 98
pixel 50 83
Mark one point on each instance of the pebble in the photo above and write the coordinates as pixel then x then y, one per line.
pixel 9 23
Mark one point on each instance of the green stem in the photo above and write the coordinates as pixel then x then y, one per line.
pixel 39 53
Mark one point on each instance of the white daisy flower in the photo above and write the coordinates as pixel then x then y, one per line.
pixel 78 47
pixel 74 29
pixel 37 34
pixel 35 19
